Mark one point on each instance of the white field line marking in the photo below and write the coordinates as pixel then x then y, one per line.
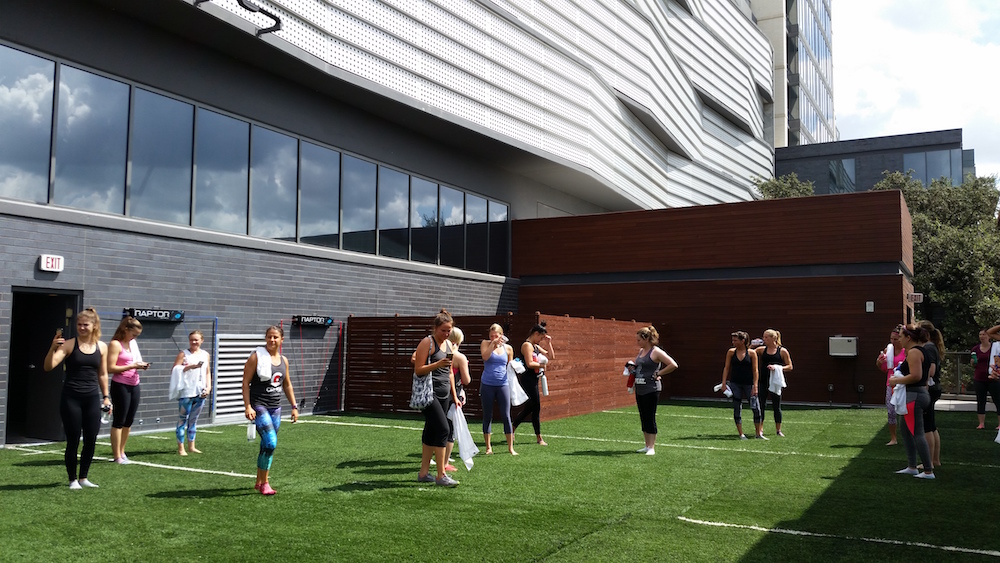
pixel 662 444
pixel 209 431
pixel 991 553
pixel 152 437
pixel 144 463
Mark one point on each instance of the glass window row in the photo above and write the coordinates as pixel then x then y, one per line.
pixel 117 148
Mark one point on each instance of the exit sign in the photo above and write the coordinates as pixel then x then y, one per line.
pixel 51 263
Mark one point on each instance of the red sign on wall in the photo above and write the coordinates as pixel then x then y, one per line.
pixel 51 263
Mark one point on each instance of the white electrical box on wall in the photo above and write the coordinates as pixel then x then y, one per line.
pixel 843 346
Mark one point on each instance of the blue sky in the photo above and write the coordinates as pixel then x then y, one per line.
pixel 908 66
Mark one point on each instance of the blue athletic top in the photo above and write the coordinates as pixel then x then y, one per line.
pixel 495 368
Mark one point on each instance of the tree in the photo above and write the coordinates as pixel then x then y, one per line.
pixel 955 259
pixel 788 185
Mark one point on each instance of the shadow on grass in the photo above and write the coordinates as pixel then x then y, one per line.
pixel 370 463
pixel 204 493
pixel 368 486
pixel 27 487
pixel 864 504
pixel 602 453
pixel 40 463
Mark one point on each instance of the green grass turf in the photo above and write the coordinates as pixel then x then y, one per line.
pixel 347 491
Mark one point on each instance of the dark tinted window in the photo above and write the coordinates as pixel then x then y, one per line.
pixel 393 213
pixel 273 185
pixel 359 204
pixel 26 83
pixel 423 220
pixel 319 177
pixel 477 234
pixel 452 213
pixel 162 133
pixel 499 237
pixel 91 137
pixel 223 160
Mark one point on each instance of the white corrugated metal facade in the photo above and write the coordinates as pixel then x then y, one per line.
pixel 550 76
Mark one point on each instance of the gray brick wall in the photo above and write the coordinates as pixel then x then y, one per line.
pixel 242 282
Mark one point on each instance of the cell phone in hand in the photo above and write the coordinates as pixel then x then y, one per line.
pixel 449 355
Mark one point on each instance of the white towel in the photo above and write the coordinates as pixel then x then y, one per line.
pixel 994 354
pixel 898 398
pixel 777 381
pixel 263 363
pixel 189 383
pixel 517 394
pixel 466 446
pixel 728 392
pixel 997 440
pixel 133 348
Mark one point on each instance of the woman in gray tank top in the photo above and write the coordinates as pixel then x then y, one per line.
pixel 651 365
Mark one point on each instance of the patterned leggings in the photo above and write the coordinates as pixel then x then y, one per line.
pixel 188 409
pixel 267 423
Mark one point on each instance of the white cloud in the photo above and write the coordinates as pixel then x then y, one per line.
pixel 909 66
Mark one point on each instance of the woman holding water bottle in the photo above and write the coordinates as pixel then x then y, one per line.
pixel 536 352
pixel 265 376
pixel 651 365
pixel 84 393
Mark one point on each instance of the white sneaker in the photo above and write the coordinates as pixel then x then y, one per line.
pixel 74 485
pixel 650 451
pixel 761 437
pixel 743 437
pixel 908 471
pixel 925 476
pixel 433 463
pixel 87 483
pixel 642 450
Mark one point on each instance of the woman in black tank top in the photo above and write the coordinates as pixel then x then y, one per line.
pixel 85 391
pixel 769 356
pixel 741 375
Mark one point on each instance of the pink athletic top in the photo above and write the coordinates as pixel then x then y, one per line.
pixel 128 377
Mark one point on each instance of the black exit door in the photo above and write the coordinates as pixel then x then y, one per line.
pixel 33 393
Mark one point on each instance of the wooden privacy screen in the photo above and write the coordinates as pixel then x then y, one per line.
pixel 584 377
pixel 810 267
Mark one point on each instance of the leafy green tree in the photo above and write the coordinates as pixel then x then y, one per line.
pixel 788 185
pixel 956 261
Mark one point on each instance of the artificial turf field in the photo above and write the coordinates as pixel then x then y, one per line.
pixel 347 491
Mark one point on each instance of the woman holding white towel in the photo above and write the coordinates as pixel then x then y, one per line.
pixel 771 356
pixel 888 365
pixel 194 383
pixel 124 363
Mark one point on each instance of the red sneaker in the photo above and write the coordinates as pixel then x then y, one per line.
pixel 450 467
pixel 266 489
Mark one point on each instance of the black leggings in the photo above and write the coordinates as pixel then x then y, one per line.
pixel 930 424
pixel 992 387
pixel 533 407
pixel 437 427
pixel 80 413
pixel 124 402
pixel 647 411
pixel 775 400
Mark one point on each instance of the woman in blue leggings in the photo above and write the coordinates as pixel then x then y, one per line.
pixel 496 354
pixel 265 375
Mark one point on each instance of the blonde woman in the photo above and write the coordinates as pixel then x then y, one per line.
pixel 651 365
pixel 771 356
pixel 124 363
pixel 493 389
pixel 461 378
pixel 194 386
pixel 84 393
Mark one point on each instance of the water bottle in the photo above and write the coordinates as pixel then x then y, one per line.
pixel 545 385
pixel 251 432
pixel 106 414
